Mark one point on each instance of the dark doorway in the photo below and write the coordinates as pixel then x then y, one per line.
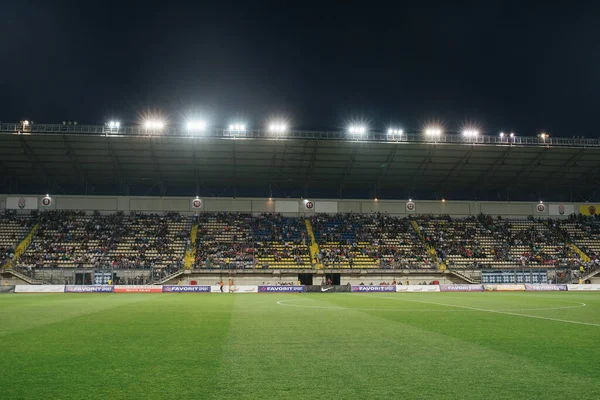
pixel 305 279
pixel 335 278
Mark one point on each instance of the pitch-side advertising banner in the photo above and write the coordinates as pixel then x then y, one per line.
pixel 39 288
pixel 7 289
pixel 280 289
pixel 417 288
pixel 365 288
pixel 89 289
pixel 243 289
pixel 328 288
pixel 138 289
pixel 504 288
pixel 186 289
pixel 544 287
pixel 461 288
pixel 584 288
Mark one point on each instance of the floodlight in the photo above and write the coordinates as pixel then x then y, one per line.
pixel 470 132
pixel 433 130
pixel 394 131
pixel 357 129
pixel 512 135
pixel 277 127
pixel 196 125
pixel 237 127
pixel 25 122
pixel 154 124
pixel 501 134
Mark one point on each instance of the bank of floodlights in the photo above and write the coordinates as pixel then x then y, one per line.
pixel 277 127
pixel 237 128
pixel 196 125
pixel 357 129
pixel 154 124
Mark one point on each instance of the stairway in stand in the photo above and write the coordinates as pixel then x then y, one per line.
pixel 314 247
pixel 190 253
pixel 584 257
pixel 430 249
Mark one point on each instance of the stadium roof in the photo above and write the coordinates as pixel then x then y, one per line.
pixel 97 160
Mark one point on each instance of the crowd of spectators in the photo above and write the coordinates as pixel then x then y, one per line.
pixel 70 239
pixel 368 240
pixel 13 228
pixel 134 241
pixel 224 241
pixel 144 241
pixel 240 240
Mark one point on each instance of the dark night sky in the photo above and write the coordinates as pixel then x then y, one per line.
pixel 504 65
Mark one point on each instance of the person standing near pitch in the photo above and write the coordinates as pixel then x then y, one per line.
pixel 221 286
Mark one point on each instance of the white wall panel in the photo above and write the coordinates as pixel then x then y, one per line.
pixel 514 209
pixel 329 207
pixel 159 204
pixel 263 206
pixel 384 207
pixel 348 207
pixel 287 206
pixel 86 203
pixel 227 205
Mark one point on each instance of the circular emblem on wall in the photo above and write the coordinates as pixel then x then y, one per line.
pixel 46 201
pixel 541 207
pixel 561 209
pixel 197 203
pixel 21 203
pixel 592 210
pixel 410 206
pixel 310 205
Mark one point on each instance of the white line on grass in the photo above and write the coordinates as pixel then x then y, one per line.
pixel 494 311
pixel 286 303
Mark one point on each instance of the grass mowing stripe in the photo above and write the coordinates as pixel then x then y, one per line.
pixel 434 360
pixel 497 311
pixel 166 346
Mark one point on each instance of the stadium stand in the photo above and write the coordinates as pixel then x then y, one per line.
pixel 158 242
pixel 239 240
pixel 224 240
pixel 13 228
pixel 368 241
pixel 144 241
pixel 280 242
pixel 69 239
pixel 484 242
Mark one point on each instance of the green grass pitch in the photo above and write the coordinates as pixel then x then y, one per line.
pixel 367 346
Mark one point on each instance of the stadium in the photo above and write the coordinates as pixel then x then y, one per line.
pixel 160 262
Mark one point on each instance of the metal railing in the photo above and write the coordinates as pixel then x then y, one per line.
pixel 411 137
